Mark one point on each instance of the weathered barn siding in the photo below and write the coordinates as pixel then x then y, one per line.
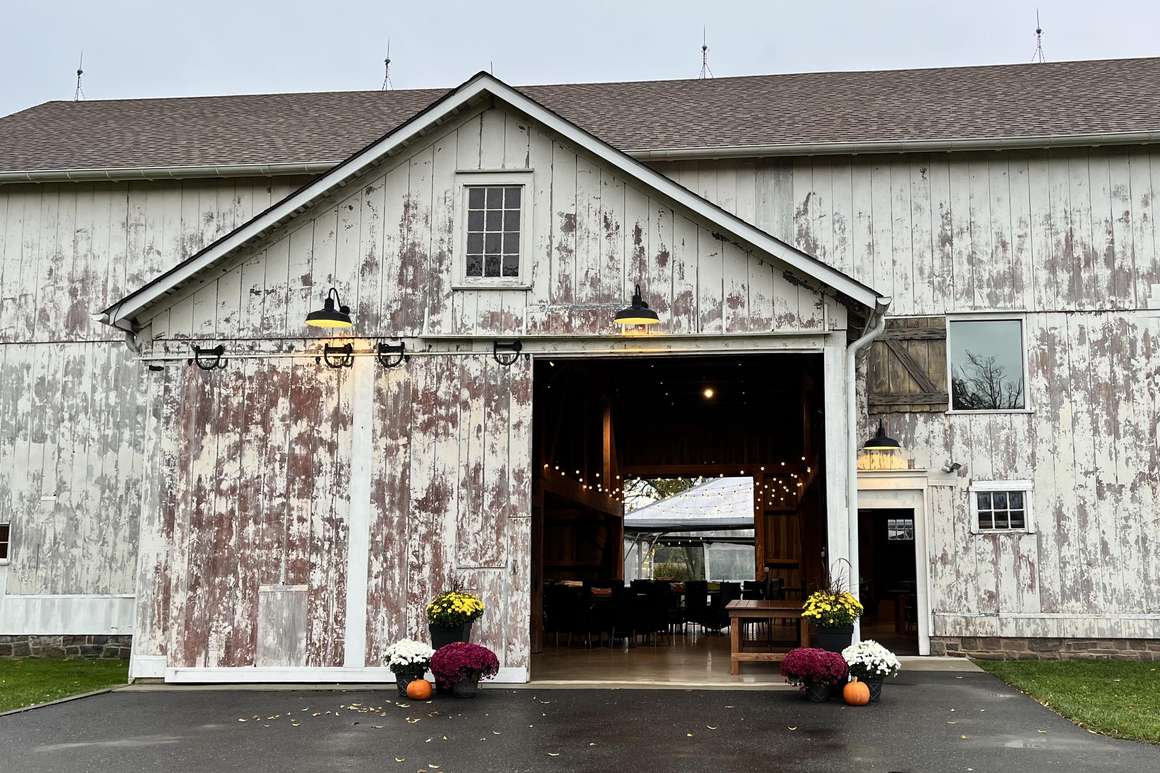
pixel 1063 230
pixel 71 395
pixel 1069 238
pixel 246 561
pixel 388 248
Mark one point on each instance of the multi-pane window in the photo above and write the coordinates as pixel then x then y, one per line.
pixel 985 358
pixel 5 536
pixel 900 529
pixel 493 231
pixel 1001 506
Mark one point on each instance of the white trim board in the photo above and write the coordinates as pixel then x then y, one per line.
pixel 272 675
pixel 123 313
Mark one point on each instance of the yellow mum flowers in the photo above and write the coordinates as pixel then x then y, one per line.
pixel 454 608
pixel 830 610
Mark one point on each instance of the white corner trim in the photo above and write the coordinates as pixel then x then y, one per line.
pixel 122 313
pixel 359 526
pixel 305 675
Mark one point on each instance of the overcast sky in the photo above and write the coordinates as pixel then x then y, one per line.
pixel 146 48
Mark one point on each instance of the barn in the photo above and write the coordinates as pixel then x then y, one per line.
pixel 251 497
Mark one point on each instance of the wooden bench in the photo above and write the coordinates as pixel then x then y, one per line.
pixel 742 611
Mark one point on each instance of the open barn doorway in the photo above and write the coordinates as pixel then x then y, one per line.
pixel 664 488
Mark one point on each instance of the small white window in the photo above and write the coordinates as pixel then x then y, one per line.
pixel 986 364
pixel 493 212
pixel 900 529
pixel 1001 506
pixel 5 536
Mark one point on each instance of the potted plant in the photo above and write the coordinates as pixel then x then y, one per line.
pixel 871 663
pixel 815 670
pixel 408 660
pixel 450 615
pixel 459 666
pixel 833 610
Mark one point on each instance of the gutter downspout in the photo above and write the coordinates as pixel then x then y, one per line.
pixel 874 327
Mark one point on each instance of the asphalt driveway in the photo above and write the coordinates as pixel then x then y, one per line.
pixel 926 722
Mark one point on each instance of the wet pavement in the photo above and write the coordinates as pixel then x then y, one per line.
pixel 925 722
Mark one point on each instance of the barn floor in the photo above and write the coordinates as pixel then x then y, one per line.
pixel 926 721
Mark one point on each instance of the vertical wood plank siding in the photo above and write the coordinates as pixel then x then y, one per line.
pixel 388 245
pixel 1069 238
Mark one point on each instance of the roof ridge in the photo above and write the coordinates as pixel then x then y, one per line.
pixel 598 83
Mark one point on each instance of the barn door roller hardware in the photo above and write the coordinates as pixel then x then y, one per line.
pixel 391 355
pixel 207 358
pixel 512 349
pixel 337 356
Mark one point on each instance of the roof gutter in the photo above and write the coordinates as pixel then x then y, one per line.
pixel 897 146
pixel 641 154
pixel 168 172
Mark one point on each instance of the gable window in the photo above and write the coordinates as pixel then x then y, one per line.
pixel 986 365
pixel 493 209
pixel 1001 506
pixel 5 536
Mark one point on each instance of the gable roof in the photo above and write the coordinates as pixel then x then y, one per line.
pixel 122 313
pixel 1091 102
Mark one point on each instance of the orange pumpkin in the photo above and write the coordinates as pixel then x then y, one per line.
pixel 420 690
pixel 856 693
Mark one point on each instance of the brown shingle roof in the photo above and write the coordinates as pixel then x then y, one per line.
pixel 991 102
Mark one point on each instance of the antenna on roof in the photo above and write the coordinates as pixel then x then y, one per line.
pixel 79 94
pixel 705 71
pixel 1038 55
pixel 387 85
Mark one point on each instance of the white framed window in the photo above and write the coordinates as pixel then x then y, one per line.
pixel 5 541
pixel 493 211
pixel 986 364
pixel 900 530
pixel 1001 506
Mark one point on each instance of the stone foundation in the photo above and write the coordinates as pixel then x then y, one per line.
pixel 1028 648
pixel 60 646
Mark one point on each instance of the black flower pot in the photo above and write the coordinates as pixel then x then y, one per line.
pixel 468 687
pixel 875 686
pixel 817 693
pixel 404 678
pixel 833 639
pixel 442 635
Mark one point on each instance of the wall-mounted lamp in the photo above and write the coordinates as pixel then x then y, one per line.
pixel 333 313
pixel 881 441
pixel 637 313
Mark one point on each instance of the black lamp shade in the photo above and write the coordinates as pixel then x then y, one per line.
pixel 638 313
pixel 881 441
pixel 332 314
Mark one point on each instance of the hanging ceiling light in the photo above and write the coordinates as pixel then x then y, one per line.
pixel 881 441
pixel 638 313
pixel 332 314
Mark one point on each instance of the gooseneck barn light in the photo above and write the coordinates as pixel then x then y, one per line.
pixel 881 441
pixel 333 313
pixel 638 313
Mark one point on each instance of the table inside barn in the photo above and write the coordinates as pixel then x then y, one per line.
pixel 745 611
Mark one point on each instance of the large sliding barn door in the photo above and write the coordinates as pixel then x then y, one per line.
pixel 451 498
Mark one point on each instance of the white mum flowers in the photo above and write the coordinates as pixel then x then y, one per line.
pixel 870 660
pixel 409 654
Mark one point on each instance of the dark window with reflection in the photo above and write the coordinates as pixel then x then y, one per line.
pixel 986 365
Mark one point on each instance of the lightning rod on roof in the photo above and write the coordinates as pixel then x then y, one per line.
pixel 1038 55
pixel 387 85
pixel 79 94
pixel 705 71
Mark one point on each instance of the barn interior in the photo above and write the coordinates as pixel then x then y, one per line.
pixel 746 426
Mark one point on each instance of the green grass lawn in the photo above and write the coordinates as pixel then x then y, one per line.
pixel 27 681
pixel 1112 697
